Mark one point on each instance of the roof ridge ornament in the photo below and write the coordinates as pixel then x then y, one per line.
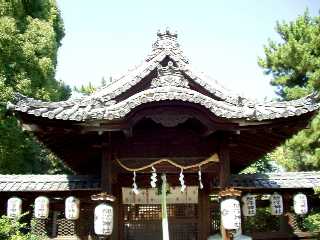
pixel 166 40
pixel 167 33
pixel 169 76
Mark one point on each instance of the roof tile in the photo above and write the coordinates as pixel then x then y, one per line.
pixel 102 105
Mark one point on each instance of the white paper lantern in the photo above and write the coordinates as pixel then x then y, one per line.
pixel 276 204
pixel 300 204
pixel 249 205
pixel 72 208
pixel 14 207
pixel 230 214
pixel 103 219
pixel 41 207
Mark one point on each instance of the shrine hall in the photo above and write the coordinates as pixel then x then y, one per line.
pixel 157 154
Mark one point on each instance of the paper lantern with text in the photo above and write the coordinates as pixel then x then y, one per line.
pixel 276 204
pixel 300 204
pixel 103 219
pixel 14 207
pixel 230 214
pixel 249 205
pixel 72 208
pixel 41 207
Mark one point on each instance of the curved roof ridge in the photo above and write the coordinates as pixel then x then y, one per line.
pixel 166 42
pixel 126 81
pixel 100 104
pixel 313 97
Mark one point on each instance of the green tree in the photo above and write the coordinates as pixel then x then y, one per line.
pixel 86 89
pixel 90 88
pixel 263 165
pixel 30 34
pixel 294 63
pixel 12 229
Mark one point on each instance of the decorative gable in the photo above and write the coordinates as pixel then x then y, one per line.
pixel 169 76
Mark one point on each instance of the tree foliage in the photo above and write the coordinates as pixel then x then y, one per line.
pixel 86 89
pixel 30 34
pixel 13 229
pixel 90 88
pixel 294 63
pixel 312 222
pixel 263 165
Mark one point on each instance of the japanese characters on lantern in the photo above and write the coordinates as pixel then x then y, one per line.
pixel 41 207
pixel 72 208
pixel 14 207
pixel 230 214
pixel 276 204
pixel 103 219
pixel 300 204
pixel 249 205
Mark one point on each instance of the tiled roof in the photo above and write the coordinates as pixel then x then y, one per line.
pixel 170 84
pixel 277 180
pixel 43 183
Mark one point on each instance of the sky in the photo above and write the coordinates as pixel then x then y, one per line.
pixel 222 38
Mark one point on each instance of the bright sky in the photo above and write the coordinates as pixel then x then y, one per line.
pixel 222 38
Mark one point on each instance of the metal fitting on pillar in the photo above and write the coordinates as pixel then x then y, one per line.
pixel 103 197
pixel 103 214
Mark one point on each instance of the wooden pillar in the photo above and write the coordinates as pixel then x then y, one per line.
pixel 224 163
pixel 54 224
pixel 106 169
pixel 284 219
pixel 204 214
pixel 106 194
pixel 117 217
pixel 120 213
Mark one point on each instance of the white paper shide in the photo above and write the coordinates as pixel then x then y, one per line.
pixel 72 208
pixel 231 214
pixel 14 207
pixel 41 207
pixel 103 219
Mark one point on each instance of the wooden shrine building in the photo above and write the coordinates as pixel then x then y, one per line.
pixel 165 114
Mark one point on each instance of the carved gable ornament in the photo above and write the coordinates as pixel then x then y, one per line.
pixel 166 40
pixel 169 76
pixel 169 120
